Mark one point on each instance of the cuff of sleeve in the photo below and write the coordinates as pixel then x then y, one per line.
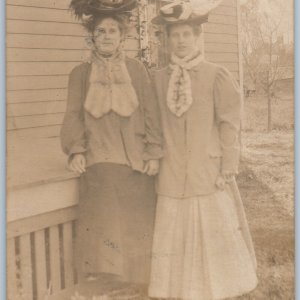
pixel 153 151
pixel 75 150
pixel 230 161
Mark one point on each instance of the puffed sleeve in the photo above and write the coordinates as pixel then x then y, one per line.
pixel 72 133
pixel 228 116
pixel 154 140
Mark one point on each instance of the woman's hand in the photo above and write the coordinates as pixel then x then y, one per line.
pixel 151 167
pixel 78 163
pixel 220 182
pixel 228 176
pixel 223 179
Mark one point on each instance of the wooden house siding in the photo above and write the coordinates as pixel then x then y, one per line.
pixel 221 39
pixel 44 43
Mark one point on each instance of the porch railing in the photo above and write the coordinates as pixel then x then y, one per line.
pixel 40 255
pixel 40 238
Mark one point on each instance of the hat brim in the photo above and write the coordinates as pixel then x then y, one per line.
pixel 160 20
pixel 125 7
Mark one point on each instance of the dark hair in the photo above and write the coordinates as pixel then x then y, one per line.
pixel 91 23
pixel 197 29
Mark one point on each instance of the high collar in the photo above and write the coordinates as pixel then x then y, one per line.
pixel 99 58
pixel 194 69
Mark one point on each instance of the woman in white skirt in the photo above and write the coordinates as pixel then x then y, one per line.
pixel 202 247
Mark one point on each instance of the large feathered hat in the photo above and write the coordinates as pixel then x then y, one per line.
pixel 180 11
pixel 83 8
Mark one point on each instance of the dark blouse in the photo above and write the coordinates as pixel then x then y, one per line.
pixel 113 138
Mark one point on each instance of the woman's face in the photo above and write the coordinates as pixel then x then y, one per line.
pixel 182 40
pixel 107 36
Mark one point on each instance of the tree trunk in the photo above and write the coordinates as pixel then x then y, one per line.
pixel 269 84
pixel 269 111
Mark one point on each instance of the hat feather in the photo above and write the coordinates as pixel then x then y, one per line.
pixel 81 7
pixel 202 7
pixel 90 7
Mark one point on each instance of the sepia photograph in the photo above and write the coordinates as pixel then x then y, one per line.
pixel 150 150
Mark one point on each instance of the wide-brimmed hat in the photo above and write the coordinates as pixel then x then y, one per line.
pixel 181 11
pixel 93 7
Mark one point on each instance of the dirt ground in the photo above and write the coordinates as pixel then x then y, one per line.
pixel 272 228
pixel 266 182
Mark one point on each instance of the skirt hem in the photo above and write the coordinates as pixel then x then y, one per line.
pixel 231 295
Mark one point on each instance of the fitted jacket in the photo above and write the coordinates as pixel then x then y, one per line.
pixel 111 138
pixel 204 141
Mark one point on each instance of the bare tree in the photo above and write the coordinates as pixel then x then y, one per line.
pixel 262 46
pixel 251 44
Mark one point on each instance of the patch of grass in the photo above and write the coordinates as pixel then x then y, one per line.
pixel 256 114
pixel 266 182
pixel 273 237
pixel 271 157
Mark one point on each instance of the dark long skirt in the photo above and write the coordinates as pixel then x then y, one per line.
pixel 115 222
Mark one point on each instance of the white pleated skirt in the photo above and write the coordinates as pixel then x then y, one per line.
pixel 200 251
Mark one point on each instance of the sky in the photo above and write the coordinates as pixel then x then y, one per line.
pixel 286 11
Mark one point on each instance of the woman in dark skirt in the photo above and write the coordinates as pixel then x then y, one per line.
pixel 111 133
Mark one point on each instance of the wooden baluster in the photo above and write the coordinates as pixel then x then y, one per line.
pixel 12 288
pixel 55 258
pixel 26 267
pixel 68 254
pixel 41 273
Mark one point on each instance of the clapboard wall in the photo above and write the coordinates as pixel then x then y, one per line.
pixel 221 37
pixel 44 43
